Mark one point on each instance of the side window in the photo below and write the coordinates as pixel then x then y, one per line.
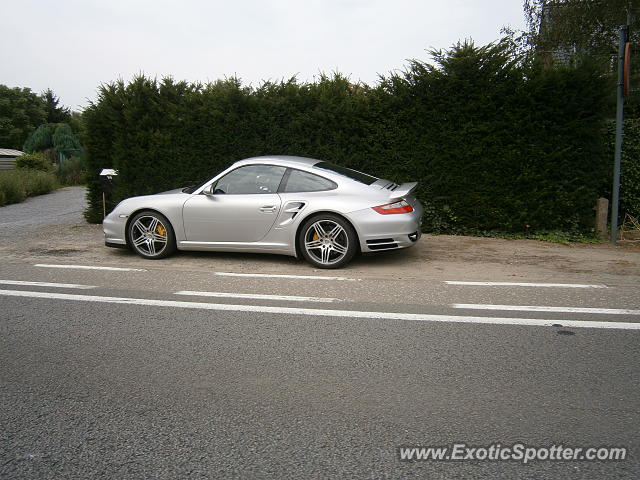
pixel 300 181
pixel 250 179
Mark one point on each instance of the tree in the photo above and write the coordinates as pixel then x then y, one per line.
pixel 578 28
pixel 55 114
pixel 58 136
pixel 65 142
pixel 21 111
pixel 571 32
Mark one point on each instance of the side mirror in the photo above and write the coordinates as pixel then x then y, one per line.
pixel 209 190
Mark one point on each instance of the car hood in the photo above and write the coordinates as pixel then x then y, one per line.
pixel 168 192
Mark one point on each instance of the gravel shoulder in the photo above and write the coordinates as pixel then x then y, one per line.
pixel 51 229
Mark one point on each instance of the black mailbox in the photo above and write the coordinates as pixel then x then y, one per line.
pixel 108 179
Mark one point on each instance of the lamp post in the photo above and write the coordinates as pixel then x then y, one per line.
pixel 623 70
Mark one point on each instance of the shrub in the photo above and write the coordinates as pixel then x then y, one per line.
pixel 11 187
pixel 34 161
pixel 630 171
pixel 71 172
pixel 629 168
pixel 39 183
pixel 17 185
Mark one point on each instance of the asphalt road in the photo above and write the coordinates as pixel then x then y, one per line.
pixel 165 371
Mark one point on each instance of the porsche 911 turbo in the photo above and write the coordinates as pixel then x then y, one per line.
pixel 286 205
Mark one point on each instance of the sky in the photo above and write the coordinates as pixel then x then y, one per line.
pixel 74 46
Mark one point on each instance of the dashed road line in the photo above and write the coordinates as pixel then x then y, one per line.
pixel 90 267
pixel 535 308
pixel 257 296
pixel 296 277
pixel 45 284
pixel 523 284
pixel 327 313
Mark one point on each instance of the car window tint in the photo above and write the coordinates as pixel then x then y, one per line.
pixel 250 179
pixel 347 172
pixel 300 181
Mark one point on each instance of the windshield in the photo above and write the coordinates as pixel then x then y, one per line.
pixel 196 184
pixel 346 172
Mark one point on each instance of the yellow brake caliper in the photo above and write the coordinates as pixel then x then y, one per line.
pixel 161 230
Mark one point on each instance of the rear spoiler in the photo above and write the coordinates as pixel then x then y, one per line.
pixel 403 190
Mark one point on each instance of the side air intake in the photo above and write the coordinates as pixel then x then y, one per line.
pixel 382 244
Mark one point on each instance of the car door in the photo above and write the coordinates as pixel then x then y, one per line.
pixel 241 207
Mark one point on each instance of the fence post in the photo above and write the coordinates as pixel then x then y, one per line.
pixel 602 209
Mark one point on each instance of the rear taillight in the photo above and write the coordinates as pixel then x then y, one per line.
pixel 395 207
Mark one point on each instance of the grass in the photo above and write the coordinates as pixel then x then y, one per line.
pixel 565 238
pixel 552 236
pixel 18 185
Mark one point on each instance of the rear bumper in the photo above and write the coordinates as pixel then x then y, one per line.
pixel 378 232
pixel 392 242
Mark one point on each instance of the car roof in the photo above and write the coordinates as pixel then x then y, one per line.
pixel 282 160
pixel 302 163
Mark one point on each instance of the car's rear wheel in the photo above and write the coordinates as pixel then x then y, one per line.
pixel 151 236
pixel 327 241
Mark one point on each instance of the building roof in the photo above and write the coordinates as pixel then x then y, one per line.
pixel 8 152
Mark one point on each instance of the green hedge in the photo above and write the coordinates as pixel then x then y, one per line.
pixel 496 144
pixel 630 167
pixel 18 185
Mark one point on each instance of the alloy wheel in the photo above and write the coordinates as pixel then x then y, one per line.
pixel 149 235
pixel 326 242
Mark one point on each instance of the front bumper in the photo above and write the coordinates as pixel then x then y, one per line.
pixel 107 243
pixel 114 231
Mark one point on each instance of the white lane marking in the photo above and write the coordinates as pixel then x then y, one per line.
pixel 326 313
pixel 256 296
pixel 268 275
pixel 534 308
pixel 45 284
pixel 90 267
pixel 521 284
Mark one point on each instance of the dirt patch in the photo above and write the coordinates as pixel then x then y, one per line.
pixel 486 258
pixel 52 227
pixel 54 252
pixel 443 257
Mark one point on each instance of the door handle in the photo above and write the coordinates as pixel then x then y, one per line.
pixel 268 209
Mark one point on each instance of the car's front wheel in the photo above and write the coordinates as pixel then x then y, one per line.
pixel 151 236
pixel 327 241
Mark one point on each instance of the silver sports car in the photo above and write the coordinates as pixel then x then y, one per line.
pixel 276 204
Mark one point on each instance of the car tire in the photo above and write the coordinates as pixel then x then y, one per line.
pixel 327 241
pixel 151 235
